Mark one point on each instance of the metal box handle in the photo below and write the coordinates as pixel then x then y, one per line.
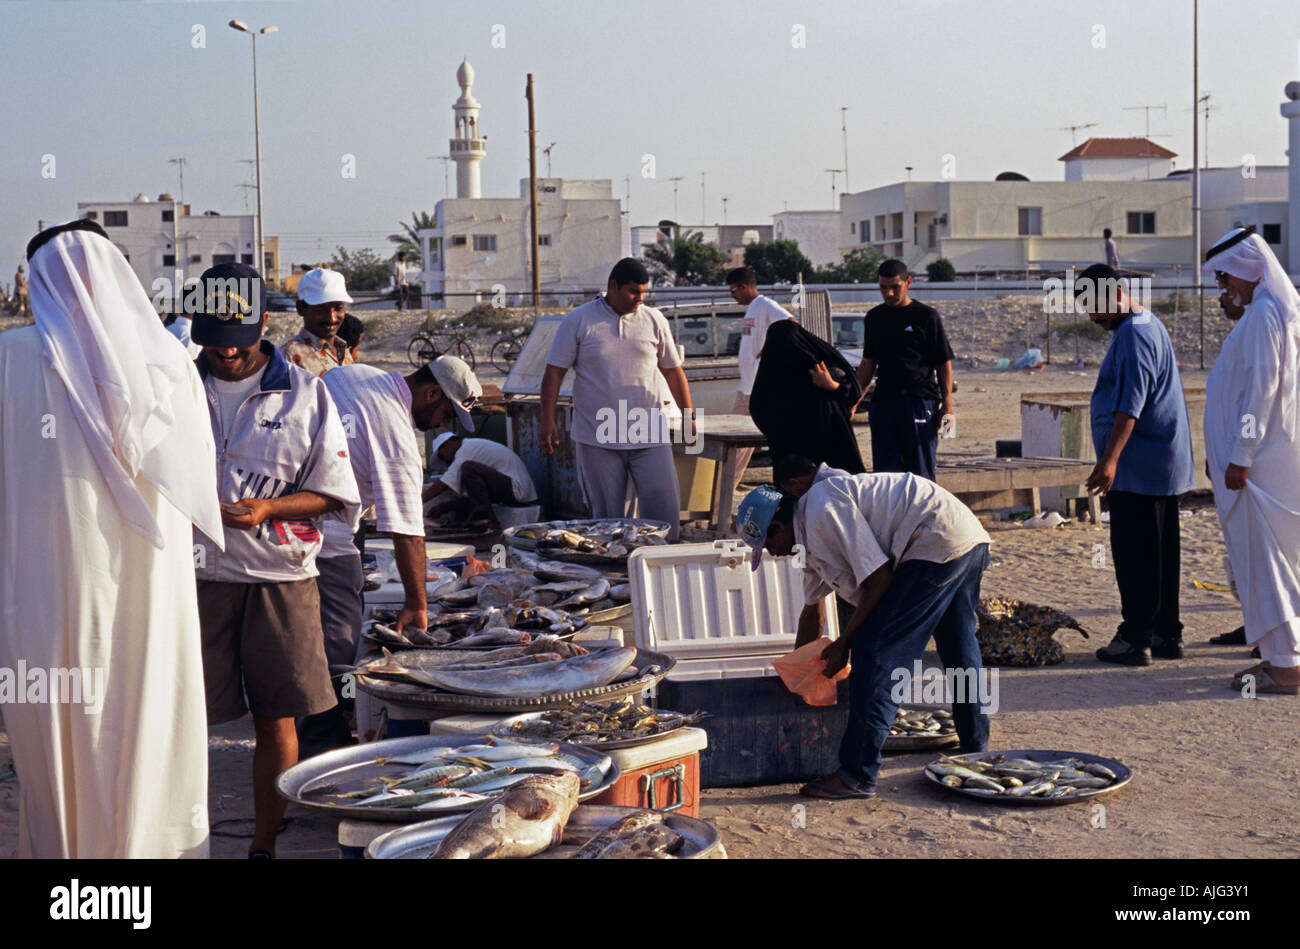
pixel 677 773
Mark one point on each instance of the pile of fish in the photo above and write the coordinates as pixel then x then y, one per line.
pixel 917 723
pixel 611 538
pixel 448 778
pixel 1000 776
pixel 503 603
pixel 1014 633
pixel 595 722
pixel 544 667
pixel 531 817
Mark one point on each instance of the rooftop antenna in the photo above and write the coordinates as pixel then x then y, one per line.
pixel 844 131
pixel 1205 108
pixel 833 172
pixel 674 181
pixel 1074 129
pixel 179 162
pixel 446 181
pixel 724 210
pixel 547 152
pixel 1146 109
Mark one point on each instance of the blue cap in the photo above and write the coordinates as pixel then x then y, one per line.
pixel 231 307
pixel 754 516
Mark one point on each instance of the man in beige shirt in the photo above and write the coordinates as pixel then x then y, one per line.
pixel 322 295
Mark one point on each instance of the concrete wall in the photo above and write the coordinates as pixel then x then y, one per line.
pixel 818 233
pixel 1116 169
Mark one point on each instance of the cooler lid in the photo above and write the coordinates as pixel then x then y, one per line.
pixel 699 601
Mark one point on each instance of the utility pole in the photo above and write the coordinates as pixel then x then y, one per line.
pixel 833 172
pixel 704 214
pixel 532 194
pixel 178 266
pixel 844 131
pixel 676 219
pixel 1196 169
pixel 724 210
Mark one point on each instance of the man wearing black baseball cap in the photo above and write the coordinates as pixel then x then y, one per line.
pixel 282 470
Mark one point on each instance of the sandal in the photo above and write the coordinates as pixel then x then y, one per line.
pixel 823 789
pixel 1266 683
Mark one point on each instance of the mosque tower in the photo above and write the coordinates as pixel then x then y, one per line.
pixel 1291 110
pixel 468 147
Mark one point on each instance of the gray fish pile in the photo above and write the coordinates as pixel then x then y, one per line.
pixel 594 722
pixel 614 538
pixel 917 723
pixel 640 835
pixel 1000 776
pixel 561 667
pixel 450 778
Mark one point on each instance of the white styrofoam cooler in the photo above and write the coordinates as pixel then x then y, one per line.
pixel 705 606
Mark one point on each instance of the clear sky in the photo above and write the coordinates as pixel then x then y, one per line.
pixel 113 89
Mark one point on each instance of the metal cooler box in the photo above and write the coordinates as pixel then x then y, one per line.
pixel 661 775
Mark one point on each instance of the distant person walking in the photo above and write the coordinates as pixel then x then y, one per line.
pixel 1144 461
pixel 905 346
pixel 21 298
pixel 1112 252
pixel 399 277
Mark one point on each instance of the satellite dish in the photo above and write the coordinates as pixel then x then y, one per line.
pixel 1010 176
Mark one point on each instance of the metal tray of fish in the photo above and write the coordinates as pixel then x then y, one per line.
pixel 424 698
pixel 419 841
pixel 945 737
pixel 317 782
pixel 513 728
pixel 519 537
pixel 1123 775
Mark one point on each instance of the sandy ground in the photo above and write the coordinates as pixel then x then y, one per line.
pixel 1215 773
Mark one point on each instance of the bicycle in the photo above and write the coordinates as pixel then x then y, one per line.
pixel 426 346
pixel 456 341
pixel 422 349
pixel 506 350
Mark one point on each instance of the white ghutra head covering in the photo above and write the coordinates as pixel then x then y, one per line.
pixel 129 382
pixel 1244 254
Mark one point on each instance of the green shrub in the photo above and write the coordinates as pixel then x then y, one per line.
pixel 940 271
pixel 1085 329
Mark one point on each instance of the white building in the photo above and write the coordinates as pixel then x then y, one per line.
pixel 149 233
pixel 1117 159
pixel 817 233
pixel 482 246
pixel 731 239
pixel 1243 195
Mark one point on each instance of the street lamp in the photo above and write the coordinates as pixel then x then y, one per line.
pixel 257 138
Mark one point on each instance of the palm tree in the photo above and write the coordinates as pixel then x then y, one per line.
pixel 409 240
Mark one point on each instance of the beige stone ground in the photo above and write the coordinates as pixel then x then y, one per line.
pixel 1215 772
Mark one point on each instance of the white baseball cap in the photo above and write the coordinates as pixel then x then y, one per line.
pixel 323 286
pixel 442 440
pixel 459 384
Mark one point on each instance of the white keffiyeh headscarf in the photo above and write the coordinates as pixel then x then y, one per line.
pixel 128 381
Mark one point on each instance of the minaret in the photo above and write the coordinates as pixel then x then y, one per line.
pixel 467 147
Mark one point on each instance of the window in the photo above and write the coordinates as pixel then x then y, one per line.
pixel 1272 233
pixel 459 240
pixel 269 264
pixel 543 240
pixel 853 227
pixel 92 215
pixel 1031 221
pixel 167 215
pixel 169 260
pixel 222 259
pixel 246 259
pixel 487 242
pixel 115 219
pixel 1141 222
pixel 864 231
pixel 196 258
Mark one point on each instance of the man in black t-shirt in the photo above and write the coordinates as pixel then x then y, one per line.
pixel 905 348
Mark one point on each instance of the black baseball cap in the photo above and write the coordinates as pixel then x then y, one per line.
pixel 230 308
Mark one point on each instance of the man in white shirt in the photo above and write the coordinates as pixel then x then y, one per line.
pixel 760 313
pixel 909 556
pixel 480 473
pixel 616 347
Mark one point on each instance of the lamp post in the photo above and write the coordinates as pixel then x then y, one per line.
pixel 257 139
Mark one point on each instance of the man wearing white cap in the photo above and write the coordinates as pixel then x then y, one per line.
pixel 380 412
pixel 317 348
pixel 480 473
pixel 1252 448
pixel 106 464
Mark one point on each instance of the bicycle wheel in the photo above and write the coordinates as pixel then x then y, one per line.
pixel 504 354
pixel 421 350
pixel 463 350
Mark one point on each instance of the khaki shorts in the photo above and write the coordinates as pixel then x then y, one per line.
pixel 263 640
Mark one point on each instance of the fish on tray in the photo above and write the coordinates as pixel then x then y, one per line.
pixel 1000 776
pixel 527 819
pixel 595 722
pixel 578 673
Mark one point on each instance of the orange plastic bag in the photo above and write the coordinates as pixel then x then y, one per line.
pixel 801 671
pixel 473 567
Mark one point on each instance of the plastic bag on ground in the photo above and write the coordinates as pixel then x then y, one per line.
pixel 801 671
pixel 473 567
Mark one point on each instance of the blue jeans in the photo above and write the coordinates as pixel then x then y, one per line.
pixel 904 435
pixel 925 599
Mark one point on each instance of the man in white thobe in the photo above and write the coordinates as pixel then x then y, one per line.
pixel 106 464
pixel 1252 446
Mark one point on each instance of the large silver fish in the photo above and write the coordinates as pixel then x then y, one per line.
pixel 591 594
pixel 527 819
pixel 569 675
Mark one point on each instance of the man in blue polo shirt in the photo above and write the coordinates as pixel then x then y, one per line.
pixel 1144 461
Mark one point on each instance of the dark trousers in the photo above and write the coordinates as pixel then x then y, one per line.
pixel 339 583
pixel 485 486
pixel 1144 543
pixel 904 435
pixel 925 599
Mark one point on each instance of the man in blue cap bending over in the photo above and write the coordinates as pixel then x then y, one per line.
pixel 909 556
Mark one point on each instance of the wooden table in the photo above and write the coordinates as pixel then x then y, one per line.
pixel 721 439
pixel 985 482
